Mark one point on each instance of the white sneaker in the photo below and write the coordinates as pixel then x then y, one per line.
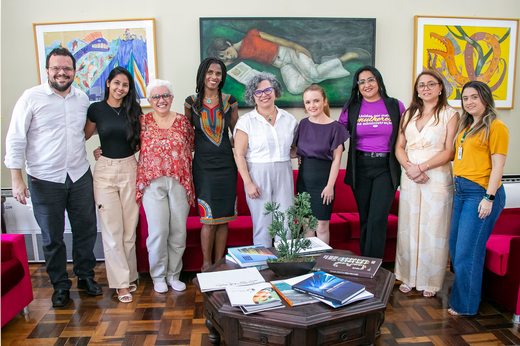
pixel 177 285
pixel 160 287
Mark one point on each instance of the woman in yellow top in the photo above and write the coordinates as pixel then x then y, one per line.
pixel 480 155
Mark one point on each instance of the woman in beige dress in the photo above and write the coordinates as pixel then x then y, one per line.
pixel 424 149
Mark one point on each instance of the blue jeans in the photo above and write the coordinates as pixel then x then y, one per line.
pixel 468 237
pixel 50 200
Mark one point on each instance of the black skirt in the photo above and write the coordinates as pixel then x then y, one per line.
pixel 313 176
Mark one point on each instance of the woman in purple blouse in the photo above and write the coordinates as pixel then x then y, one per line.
pixel 319 141
pixel 373 172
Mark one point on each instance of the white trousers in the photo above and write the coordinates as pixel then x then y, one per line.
pixel 166 206
pixel 114 191
pixel 275 181
pixel 299 71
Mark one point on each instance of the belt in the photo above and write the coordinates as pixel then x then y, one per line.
pixel 366 153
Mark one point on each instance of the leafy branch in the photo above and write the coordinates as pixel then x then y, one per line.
pixel 296 220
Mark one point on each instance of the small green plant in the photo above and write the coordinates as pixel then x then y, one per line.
pixel 297 219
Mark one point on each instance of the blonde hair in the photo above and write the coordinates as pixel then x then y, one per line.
pixel 316 87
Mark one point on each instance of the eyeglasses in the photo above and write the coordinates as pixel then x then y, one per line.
pixel 369 80
pixel 430 85
pixel 157 97
pixel 58 68
pixel 267 91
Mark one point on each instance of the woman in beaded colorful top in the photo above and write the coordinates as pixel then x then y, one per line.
pixel 212 114
pixel 320 144
pixel 116 120
pixel 165 185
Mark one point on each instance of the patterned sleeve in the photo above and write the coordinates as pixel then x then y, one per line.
pixel 190 134
pixel 233 101
pixel 190 100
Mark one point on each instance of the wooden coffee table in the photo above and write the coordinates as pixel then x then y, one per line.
pixel 311 324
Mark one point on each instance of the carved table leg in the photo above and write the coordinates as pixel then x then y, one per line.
pixel 214 336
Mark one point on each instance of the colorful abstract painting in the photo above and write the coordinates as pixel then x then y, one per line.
pixel 98 47
pixel 468 49
pixel 298 51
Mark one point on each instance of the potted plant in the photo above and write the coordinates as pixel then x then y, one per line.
pixel 296 220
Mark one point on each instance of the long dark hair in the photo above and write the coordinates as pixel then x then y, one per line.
pixel 417 104
pixel 355 95
pixel 201 77
pixel 490 114
pixel 130 105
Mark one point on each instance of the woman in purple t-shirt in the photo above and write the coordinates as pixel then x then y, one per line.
pixel 319 141
pixel 373 172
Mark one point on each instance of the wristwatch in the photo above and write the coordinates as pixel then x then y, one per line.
pixel 489 197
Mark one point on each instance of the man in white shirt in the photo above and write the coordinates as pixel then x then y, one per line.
pixel 47 128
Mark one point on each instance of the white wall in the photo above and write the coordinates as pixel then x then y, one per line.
pixel 177 40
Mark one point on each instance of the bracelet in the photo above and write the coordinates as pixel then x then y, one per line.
pixel 419 166
pixel 427 166
pixel 487 199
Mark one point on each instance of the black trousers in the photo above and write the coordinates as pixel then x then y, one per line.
pixel 374 195
pixel 50 200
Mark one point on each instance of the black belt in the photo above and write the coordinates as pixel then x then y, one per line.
pixel 366 153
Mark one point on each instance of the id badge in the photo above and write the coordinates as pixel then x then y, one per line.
pixel 459 155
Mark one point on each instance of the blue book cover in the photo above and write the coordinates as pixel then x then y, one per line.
pixel 329 287
pixel 248 256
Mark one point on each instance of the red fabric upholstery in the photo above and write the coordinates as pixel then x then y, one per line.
pixel 502 264
pixel 497 253
pixel 21 294
pixel 344 227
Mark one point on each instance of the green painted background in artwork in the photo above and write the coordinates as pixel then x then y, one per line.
pixel 321 36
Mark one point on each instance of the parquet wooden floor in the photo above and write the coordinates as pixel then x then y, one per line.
pixel 176 318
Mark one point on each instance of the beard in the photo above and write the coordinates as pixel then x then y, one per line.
pixel 58 87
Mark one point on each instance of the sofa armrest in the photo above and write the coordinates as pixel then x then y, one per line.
pixel 513 264
pixel 18 249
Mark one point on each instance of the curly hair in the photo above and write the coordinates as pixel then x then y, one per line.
pixel 253 83
pixel 158 83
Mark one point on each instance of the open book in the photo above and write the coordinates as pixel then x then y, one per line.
pixel 242 72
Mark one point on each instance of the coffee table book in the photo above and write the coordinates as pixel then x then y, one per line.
pixel 254 298
pixel 336 263
pixel 329 287
pixel 362 296
pixel 214 281
pixel 292 297
pixel 317 246
pixel 249 256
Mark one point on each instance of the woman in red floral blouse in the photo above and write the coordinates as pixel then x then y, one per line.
pixel 165 184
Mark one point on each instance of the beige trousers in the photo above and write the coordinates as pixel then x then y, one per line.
pixel 114 191
pixel 166 206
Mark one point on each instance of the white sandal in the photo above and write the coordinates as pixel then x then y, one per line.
pixel 405 288
pixel 132 288
pixel 125 298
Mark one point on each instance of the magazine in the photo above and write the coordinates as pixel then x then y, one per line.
pixel 348 265
pixel 214 281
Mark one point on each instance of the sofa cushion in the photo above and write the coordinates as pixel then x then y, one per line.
pixel 508 223
pixel 497 253
pixel 354 226
pixel 12 274
pixel 242 208
pixel 345 201
pixel 6 251
pixel 338 229
pixel 240 232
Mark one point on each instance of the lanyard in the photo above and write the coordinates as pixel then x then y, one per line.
pixel 468 130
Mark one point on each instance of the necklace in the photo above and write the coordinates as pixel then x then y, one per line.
pixel 210 98
pixel 270 116
pixel 116 111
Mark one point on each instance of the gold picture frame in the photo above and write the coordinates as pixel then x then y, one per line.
pixel 98 47
pixel 467 48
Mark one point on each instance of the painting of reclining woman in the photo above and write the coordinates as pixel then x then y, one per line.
pixel 299 51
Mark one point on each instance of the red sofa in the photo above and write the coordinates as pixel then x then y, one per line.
pixel 16 280
pixel 344 228
pixel 502 264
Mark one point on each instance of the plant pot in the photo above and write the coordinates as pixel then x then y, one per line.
pixel 286 269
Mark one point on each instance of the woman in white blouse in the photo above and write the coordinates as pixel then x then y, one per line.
pixel 263 140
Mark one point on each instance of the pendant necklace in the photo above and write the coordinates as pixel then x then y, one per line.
pixel 121 108
pixel 210 98
pixel 270 116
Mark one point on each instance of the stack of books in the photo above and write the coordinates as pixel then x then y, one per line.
pixel 292 297
pixel 317 246
pixel 254 298
pixel 348 265
pixel 330 288
pixel 250 256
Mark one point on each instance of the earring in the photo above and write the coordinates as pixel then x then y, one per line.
pixel 440 93
pixel 419 96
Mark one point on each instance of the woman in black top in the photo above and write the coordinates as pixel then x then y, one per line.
pixel 116 120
